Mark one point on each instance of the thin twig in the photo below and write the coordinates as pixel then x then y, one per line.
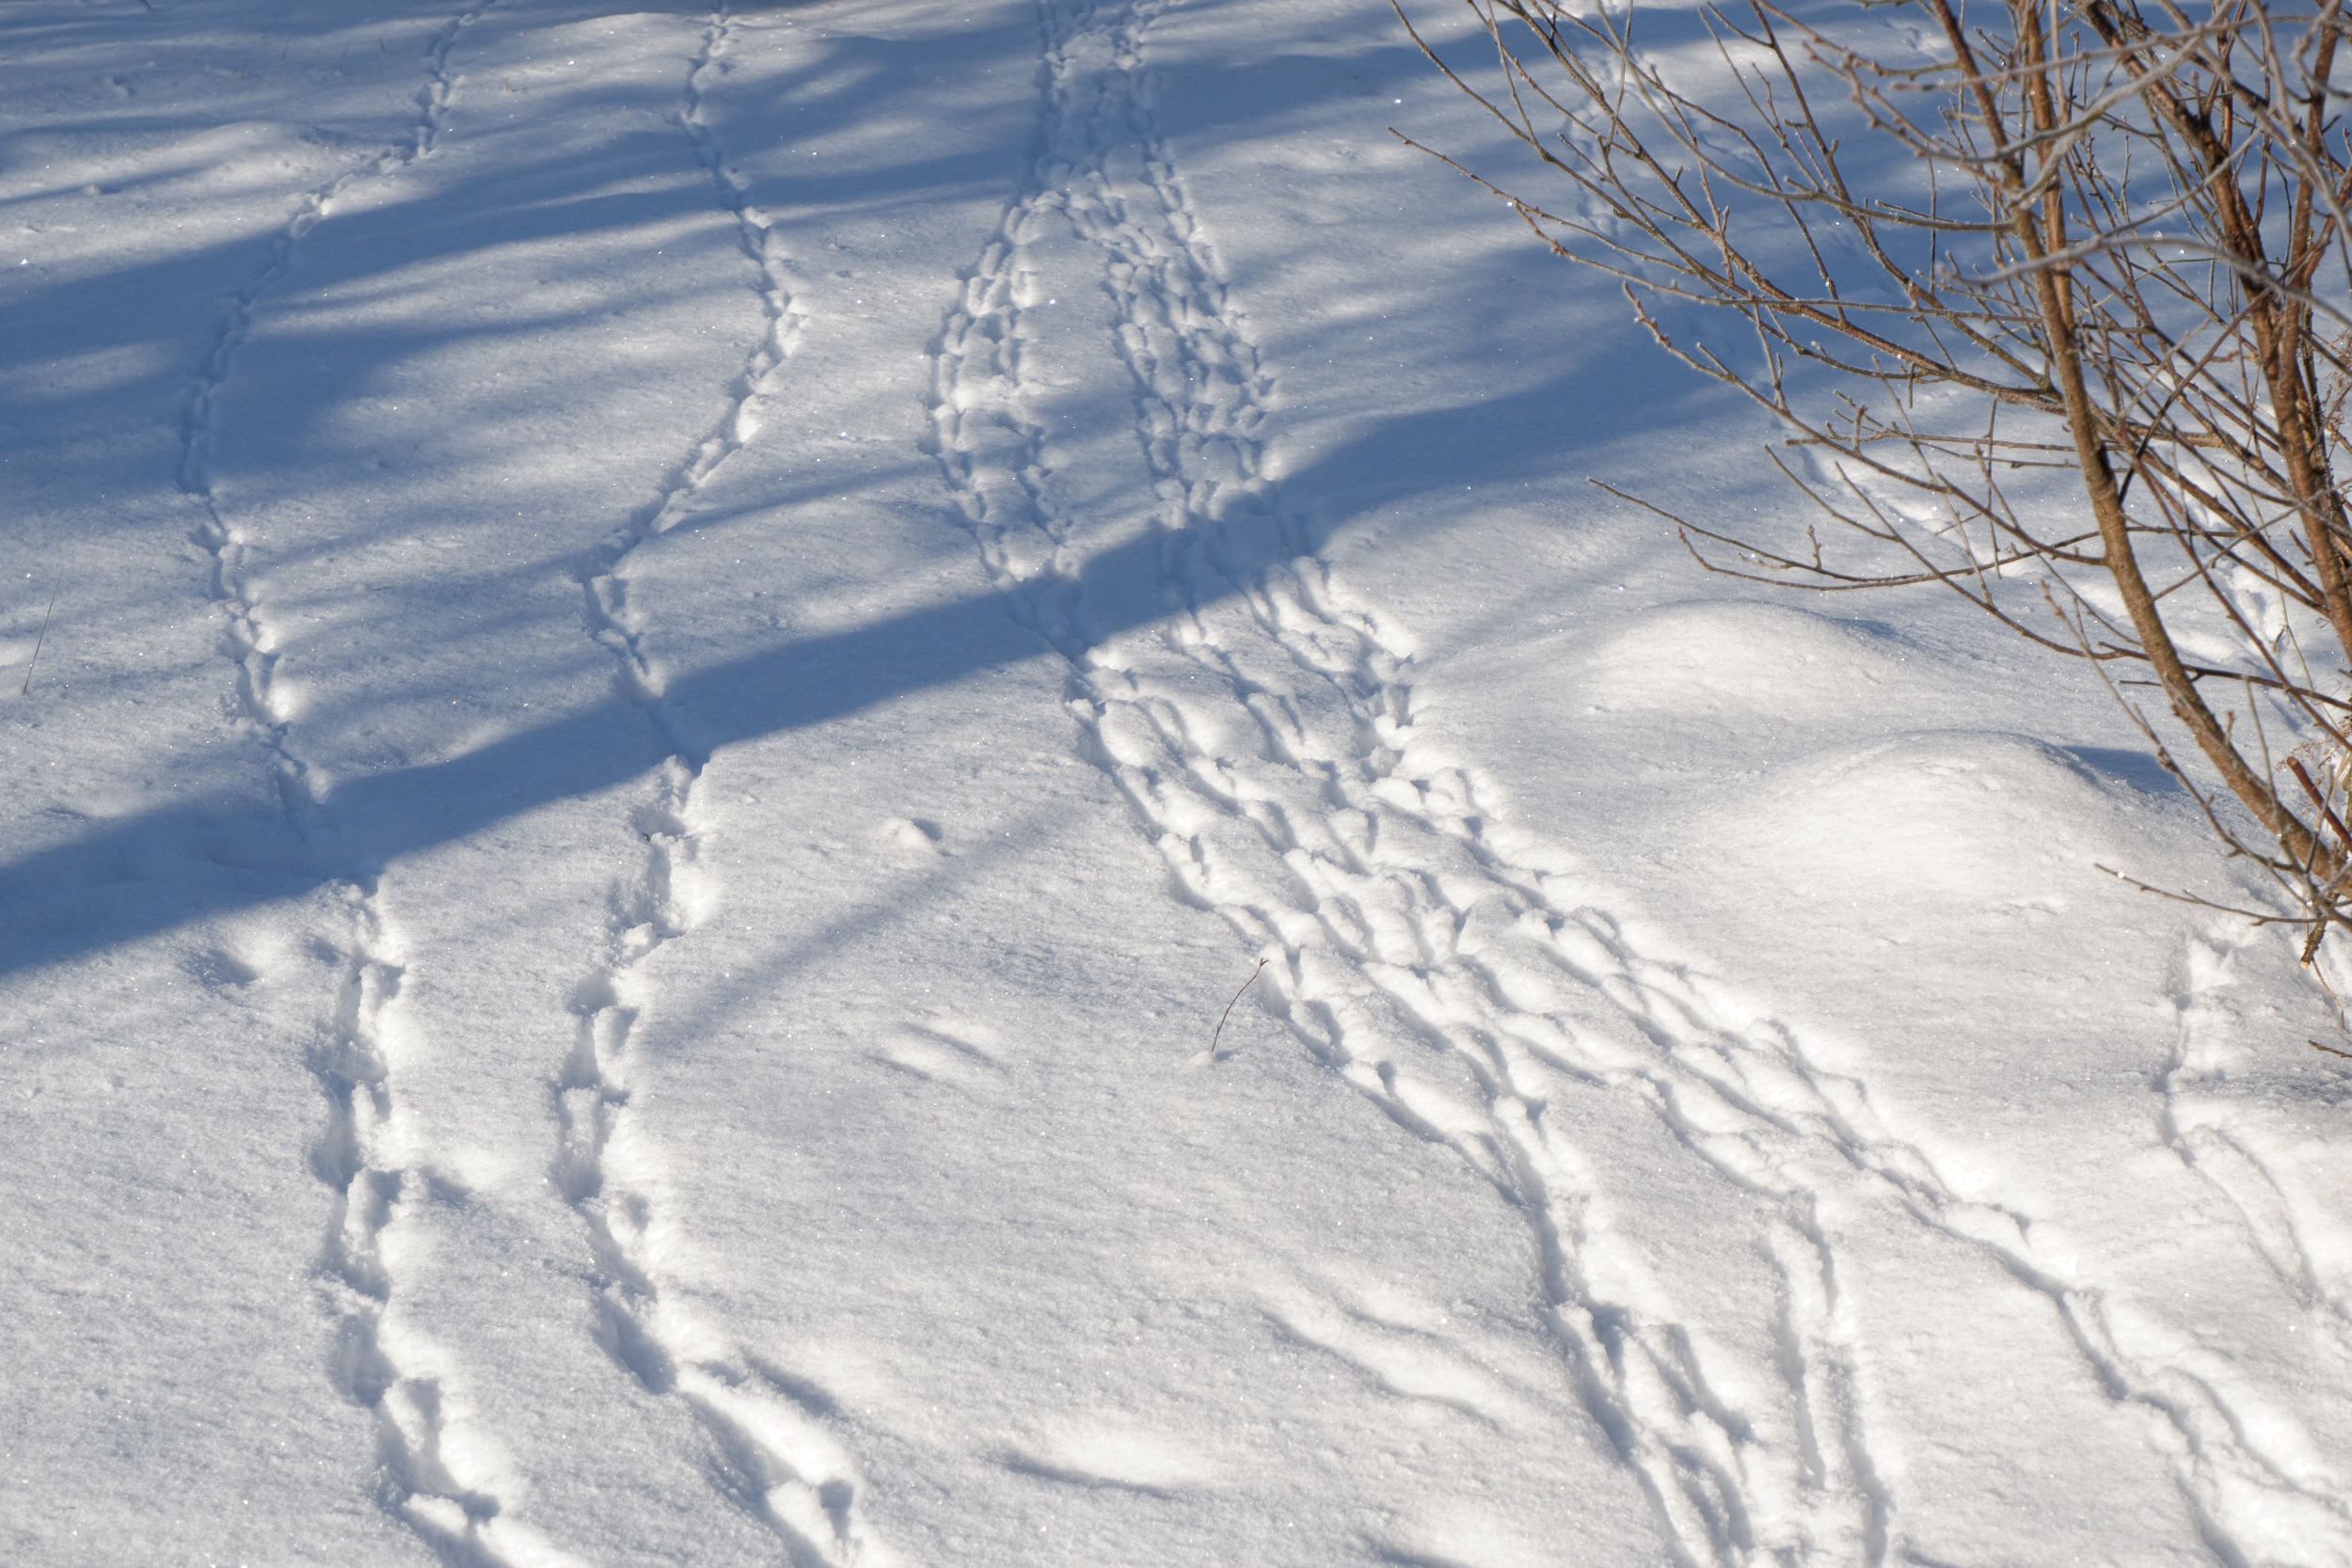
pixel 1229 1005
pixel 35 664
pixel 2294 765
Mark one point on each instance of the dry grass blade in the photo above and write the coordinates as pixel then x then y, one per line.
pixel 1220 1033
pixel 34 663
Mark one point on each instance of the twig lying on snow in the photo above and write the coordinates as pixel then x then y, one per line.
pixel 1229 1005
pixel 29 667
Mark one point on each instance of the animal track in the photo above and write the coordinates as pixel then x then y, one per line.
pixel 1263 739
pixel 1440 962
pixel 366 1158
pixel 780 1463
pixel 441 1487
pixel 612 619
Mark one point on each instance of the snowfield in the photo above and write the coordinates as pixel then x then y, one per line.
pixel 692 652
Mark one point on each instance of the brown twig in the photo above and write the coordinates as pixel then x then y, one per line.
pixel 1229 1005
pixel 2294 765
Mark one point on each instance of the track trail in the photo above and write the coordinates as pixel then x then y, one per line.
pixel 1444 966
pixel 2247 1458
pixel 777 1460
pixel 440 1473
pixel 248 639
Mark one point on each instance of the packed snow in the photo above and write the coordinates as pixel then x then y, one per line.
pixel 694 653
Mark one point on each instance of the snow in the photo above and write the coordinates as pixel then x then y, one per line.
pixel 693 652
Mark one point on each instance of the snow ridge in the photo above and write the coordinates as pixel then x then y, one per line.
pixel 372 1167
pixel 779 1463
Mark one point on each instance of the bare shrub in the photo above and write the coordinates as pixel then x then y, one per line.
pixel 1975 249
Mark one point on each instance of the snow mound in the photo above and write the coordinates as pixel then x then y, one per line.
pixel 1736 658
pixel 1959 816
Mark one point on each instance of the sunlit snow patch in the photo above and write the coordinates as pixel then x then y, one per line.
pixel 1733 658
pixel 1959 816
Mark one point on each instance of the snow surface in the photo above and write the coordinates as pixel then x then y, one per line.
pixel 692 652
